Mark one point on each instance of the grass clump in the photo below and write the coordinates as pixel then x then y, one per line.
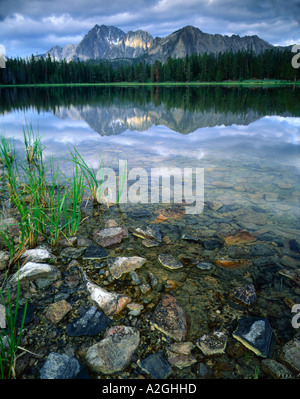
pixel 10 335
pixel 48 204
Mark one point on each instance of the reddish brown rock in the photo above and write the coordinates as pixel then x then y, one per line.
pixel 57 311
pixel 169 317
pixel 232 263
pixel 110 236
pixel 239 237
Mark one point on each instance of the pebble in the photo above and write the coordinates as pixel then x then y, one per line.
pixel 179 354
pixel 232 263
pixel 93 322
pixel 60 367
pixel 121 265
pixel 135 277
pixel 110 236
pixel 275 369
pixel 95 252
pixel 212 243
pixel 213 343
pixel 260 250
pixel 222 184
pixel 204 265
pixel 169 262
pixel 244 294
pixel 156 365
pixel 290 354
pixel 240 237
pixel 57 311
pixel 148 232
pixel 149 243
pixel 114 352
pixel 72 253
pixel 145 287
pixel 169 317
pixel 256 334
pixel 135 308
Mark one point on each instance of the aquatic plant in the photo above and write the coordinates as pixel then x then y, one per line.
pixel 46 207
pixel 11 335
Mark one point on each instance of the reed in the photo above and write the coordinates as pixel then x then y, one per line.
pixel 11 335
pixel 46 208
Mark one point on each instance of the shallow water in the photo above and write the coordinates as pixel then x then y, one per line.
pixel 248 139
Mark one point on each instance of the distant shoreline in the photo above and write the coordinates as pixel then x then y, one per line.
pixel 132 84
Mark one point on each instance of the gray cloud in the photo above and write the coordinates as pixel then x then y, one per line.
pixel 34 26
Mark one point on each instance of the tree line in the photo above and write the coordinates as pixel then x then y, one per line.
pixel 221 99
pixel 243 65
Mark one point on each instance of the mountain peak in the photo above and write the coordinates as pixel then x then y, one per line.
pixel 110 42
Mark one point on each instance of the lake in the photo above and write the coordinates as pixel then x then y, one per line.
pixel 246 141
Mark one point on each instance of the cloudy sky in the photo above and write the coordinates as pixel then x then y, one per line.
pixel 34 26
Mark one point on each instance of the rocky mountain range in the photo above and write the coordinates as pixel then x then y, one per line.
pixel 109 42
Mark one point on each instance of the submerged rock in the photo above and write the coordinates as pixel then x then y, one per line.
pixel 90 324
pixel 110 236
pixel 240 237
pixel 169 262
pixel 72 253
pixel 114 352
pixel 140 213
pixel 149 243
pixel 212 243
pixel 120 265
pixel 256 334
pixel 204 265
pixel 169 317
pixel 246 294
pixel 135 308
pixel 109 302
pixel 179 354
pixel 95 252
pixel 156 365
pixel 275 369
pixel 222 184
pixel 260 250
pixel 213 344
pixel 232 263
pixel 290 354
pixel 57 311
pixel 148 232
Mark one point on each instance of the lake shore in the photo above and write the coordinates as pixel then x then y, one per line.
pixel 249 82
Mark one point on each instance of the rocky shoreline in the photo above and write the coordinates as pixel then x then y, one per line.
pixel 118 304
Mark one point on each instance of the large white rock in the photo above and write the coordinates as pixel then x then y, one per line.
pixel 109 302
pixel 37 255
pixel 33 271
